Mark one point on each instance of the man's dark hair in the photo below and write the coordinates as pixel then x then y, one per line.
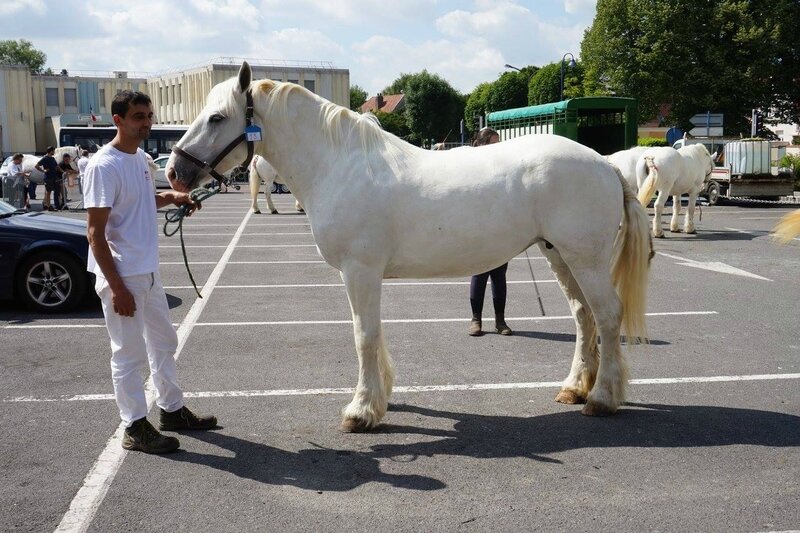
pixel 127 98
pixel 49 149
pixel 17 156
pixel 483 136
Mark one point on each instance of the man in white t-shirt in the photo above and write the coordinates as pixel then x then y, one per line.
pixel 19 190
pixel 123 254
pixel 82 162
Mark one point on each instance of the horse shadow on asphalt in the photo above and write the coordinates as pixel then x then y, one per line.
pixel 712 235
pixel 476 436
pixel 569 337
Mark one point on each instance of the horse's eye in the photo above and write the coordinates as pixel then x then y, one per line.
pixel 216 117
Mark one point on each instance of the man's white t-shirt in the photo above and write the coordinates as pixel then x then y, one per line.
pixel 122 182
pixel 82 162
pixel 15 171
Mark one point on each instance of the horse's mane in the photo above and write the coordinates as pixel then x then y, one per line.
pixel 339 124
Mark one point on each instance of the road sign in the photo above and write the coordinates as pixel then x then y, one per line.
pixel 707 119
pixel 714 131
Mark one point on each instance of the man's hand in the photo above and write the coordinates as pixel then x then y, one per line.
pixel 178 199
pixel 124 304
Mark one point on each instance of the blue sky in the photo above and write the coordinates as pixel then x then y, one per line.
pixel 465 42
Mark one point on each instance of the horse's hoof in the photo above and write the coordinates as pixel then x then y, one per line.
pixel 257 212
pixel 274 212
pixel 354 425
pixel 596 409
pixel 676 230
pixel 661 236
pixel 570 397
pixel 693 232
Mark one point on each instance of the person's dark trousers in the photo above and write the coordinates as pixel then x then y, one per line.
pixel 477 291
pixel 58 195
pixel 31 190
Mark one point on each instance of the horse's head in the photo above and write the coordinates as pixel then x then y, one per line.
pixel 215 141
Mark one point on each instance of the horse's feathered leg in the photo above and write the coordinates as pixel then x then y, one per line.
pixel 688 222
pixel 612 373
pixel 255 185
pixel 580 380
pixel 376 371
pixel 674 225
pixel 658 207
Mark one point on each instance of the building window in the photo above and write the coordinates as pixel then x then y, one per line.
pixel 51 93
pixel 71 97
pixel 178 93
pixel 293 81
pixel 309 84
pixel 102 100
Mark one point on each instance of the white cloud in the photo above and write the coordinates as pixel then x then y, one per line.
pixel 295 44
pixel 580 6
pixel 9 7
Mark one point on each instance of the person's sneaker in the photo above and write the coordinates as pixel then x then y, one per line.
pixel 475 328
pixel 502 328
pixel 184 419
pixel 142 436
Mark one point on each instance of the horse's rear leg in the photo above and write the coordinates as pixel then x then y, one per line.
pixel 676 214
pixel 688 222
pixel 658 207
pixel 268 195
pixel 376 372
pixel 612 375
pixel 582 374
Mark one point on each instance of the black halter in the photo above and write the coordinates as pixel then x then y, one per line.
pixel 211 167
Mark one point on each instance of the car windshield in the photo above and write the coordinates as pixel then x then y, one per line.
pixel 6 208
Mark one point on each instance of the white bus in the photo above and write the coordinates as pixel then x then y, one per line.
pixel 162 137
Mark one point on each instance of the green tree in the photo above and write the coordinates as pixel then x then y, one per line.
pixel 357 97
pixel 476 106
pixel 399 85
pixel 725 56
pixel 22 52
pixel 394 123
pixel 510 90
pixel 545 86
pixel 433 108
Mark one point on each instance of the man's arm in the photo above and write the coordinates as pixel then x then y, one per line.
pixel 176 198
pixel 96 220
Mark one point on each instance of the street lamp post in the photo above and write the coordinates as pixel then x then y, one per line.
pixel 512 66
pixel 571 65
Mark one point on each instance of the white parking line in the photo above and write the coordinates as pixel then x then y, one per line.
pixel 188 234
pixel 97 482
pixel 241 246
pixel 323 285
pixel 411 388
pixel 328 322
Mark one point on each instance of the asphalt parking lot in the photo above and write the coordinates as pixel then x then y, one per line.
pixel 709 439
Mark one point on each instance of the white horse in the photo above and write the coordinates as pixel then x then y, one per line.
pixel 381 208
pixel 625 161
pixel 260 169
pixel 673 172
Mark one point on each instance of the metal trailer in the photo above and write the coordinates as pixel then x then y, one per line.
pixel 744 169
pixel 14 191
pixel 605 124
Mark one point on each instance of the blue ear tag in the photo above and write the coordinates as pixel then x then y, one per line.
pixel 252 133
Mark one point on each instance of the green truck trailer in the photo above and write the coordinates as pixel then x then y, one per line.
pixel 605 124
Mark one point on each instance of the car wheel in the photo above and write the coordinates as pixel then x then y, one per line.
pixel 284 189
pixel 713 193
pixel 274 188
pixel 51 282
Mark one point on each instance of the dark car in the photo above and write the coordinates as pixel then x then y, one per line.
pixel 43 260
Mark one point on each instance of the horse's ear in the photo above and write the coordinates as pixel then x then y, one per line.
pixel 245 76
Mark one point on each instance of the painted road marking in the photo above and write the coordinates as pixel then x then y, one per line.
pixel 410 389
pixel 715 266
pixel 328 322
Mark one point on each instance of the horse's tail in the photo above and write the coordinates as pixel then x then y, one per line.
pixel 788 228
pixel 633 250
pixel 649 185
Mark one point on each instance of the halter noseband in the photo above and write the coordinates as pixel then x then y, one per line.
pixel 211 167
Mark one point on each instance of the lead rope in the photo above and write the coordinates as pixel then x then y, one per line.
pixel 535 285
pixel 176 216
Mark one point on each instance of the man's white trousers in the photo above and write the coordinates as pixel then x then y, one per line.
pixel 145 339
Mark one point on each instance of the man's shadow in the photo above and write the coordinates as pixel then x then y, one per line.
pixel 492 437
pixel 315 468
